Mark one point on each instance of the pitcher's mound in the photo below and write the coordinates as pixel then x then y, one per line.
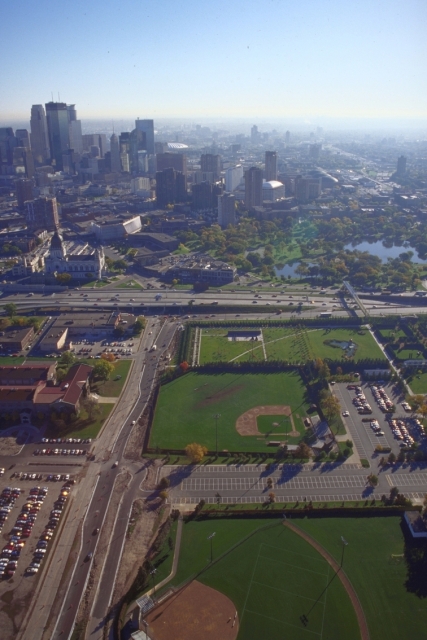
pixel 195 612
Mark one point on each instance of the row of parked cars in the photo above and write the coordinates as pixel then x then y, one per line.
pixel 66 440
pixel 401 433
pixel 383 401
pixel 360 402
pixel 27 476
pixel 59 452
pixel 23 526
pixel 46 536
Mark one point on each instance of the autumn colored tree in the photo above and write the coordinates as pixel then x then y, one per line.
pixel 184 366
pixel 109 357
pixel 195 452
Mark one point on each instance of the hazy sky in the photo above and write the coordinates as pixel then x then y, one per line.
pixel 250 58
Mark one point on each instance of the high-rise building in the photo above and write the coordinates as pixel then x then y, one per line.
pixel 147 128
pixel 170 187
pixel 253 187
pixel 115 153
pixel 75 135
pixel 23 138
pixel 57 116
pixel 287 137
pixel 177 161
pixel 205 195
pixel 8 142
pixel 270 172
pixel 24 191
pixel 211 163
pixel 233 177
pixel 23 162
pixel 254 134
pixel 39 135
pixel 42 213
pixel 226 210
pixel 314 151
pixel 401 166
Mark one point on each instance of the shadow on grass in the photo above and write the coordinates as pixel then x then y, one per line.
pixel 415 554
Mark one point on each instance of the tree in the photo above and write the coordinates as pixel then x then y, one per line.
pixel 391 458
pixel 394 492
pixel 67 358
pixel 272 497
pixel 102 370
pixel 303 451
pixel 109 357
pixel 63 278
pixel 184 366
pixel 119 331
pixel 330 407
pixel 164 483
pixel 195 452
pixel 91 406
pixel 163 494
pixel 373 480
pixel 10 309
pixel 139 325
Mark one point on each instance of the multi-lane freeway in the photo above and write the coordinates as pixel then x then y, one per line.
pixel 307 302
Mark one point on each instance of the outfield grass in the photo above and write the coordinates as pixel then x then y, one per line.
pixel 392 608
pixel 272 578
pixel 287 343
pixel 215 347
pixel 186 408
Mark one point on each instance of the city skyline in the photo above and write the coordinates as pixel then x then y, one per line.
pixel 281 61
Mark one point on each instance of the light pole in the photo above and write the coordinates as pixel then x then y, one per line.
pixel 211 537
pixel 152 574
pixel 217 417
pixel 344 544
pixel 304 617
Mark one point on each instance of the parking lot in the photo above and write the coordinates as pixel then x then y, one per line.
pixel 364 435
pixel 30 511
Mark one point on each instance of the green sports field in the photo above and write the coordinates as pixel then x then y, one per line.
pixel 186 408
pixel 273 578
pixel 294 344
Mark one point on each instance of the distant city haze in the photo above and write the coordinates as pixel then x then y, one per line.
pixel 330 63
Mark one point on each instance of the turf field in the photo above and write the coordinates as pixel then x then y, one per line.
pixel 295 344
pixel 392 592
pixel 273 578
pixel 186 408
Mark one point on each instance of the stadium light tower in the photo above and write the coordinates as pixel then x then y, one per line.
pixel 211 537
pixel 344 544
pixel 217 417
pixel 304 617
pixel 152 574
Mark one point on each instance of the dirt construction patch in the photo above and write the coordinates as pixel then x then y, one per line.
pixel 246 424
pixel 195 612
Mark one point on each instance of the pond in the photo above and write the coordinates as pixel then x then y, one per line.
pixel 378 249
pixel 349 347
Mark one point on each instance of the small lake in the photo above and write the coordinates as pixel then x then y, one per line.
pixel 375 248
pixel 378 249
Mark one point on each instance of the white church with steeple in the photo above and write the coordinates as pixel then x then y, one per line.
pixel 79 263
